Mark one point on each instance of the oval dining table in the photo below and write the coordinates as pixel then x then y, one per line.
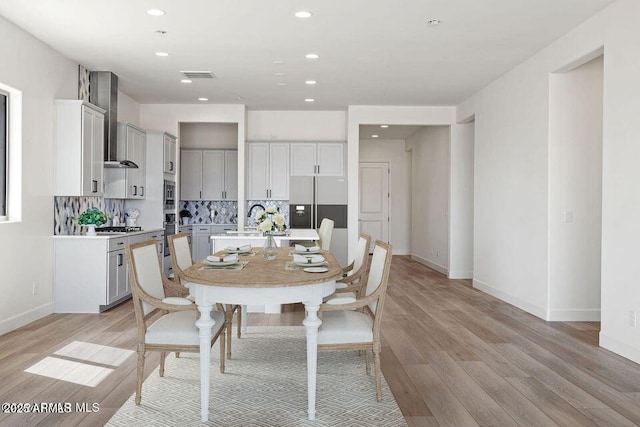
pixel 261 282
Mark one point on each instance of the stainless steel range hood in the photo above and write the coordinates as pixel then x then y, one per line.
pixel 104 94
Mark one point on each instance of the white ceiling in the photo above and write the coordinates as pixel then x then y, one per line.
pixel 391 132
pixel 372 52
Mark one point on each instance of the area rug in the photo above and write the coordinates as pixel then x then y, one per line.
pixel 265 384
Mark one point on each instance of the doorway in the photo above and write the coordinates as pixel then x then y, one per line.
pixel 373 218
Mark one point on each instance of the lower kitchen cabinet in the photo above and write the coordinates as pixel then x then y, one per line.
pixel 201 240
pixel 90 273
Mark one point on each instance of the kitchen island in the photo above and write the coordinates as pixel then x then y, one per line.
pixel 256 239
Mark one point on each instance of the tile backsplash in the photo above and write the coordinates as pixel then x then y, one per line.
pixel 281 205
pixel 66 208
pixel 211 211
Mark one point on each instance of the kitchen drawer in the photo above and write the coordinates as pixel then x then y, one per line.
pixel 201 229
pixel 116 243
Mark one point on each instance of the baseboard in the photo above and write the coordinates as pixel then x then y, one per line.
pixel 401 251
pixel 575 315
pixel 432 265
pixel 461 274
pixel 618 347
pixel 513 300
pixel 25 318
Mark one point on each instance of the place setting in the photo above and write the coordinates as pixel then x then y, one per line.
pixel 244 250
pixel 308 259
pixel 226 262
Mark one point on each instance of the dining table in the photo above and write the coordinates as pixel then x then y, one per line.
pixel 255 280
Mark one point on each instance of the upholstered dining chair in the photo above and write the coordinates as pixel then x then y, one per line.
pixel 175 329
pixel 180 261
pixel 345 329
pixel 352 284
pixel 325 232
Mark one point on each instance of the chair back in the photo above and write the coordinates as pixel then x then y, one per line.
pixel 361 260
pixel 180 253
pixel 378 277
pixel 145 274
pixel 325 232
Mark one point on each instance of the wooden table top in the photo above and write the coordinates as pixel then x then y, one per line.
pixel 260 273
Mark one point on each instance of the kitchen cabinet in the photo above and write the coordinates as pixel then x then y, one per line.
pixel 317 159
pixel 117 277
pixel 169 142
pixel 79 149
pixel 201 243
pixel 209 175
pixel 128 183
pixel 268 171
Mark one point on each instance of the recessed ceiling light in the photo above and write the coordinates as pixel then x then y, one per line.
pixel 303 14
pixel 309 100
pixel 203 99
pixel 186 81
pixel 312 56
pixel 278 62
pixel 280 74
pixel 384 126
pixel 374 136
pixel 282 84
pixel 156 12
pixel 433 22
pixel 310 82
pixel 162 54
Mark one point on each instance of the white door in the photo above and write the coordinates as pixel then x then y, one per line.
pixel 213 175
pixel 373 217
pixel 303 159
pixel 257 171
pixel 330 159
pixel 279 171
pixel 190 175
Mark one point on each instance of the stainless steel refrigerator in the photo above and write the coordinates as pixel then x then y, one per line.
pixel 313 198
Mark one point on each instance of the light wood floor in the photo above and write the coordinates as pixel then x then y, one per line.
pixel 452 356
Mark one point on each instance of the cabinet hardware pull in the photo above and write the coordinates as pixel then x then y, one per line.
pixel 318 169
pixel 141 191
pixel 94 186
pixel 120 260
pixel 135 190
pixel 171 166
pixel 201 194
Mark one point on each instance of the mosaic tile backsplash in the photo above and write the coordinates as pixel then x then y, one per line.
pixel 66 208
pixel 281 205
pixel 211 211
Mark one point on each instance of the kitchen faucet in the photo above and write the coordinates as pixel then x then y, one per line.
pixel 257 205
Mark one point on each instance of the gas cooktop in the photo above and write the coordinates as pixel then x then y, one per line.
pixel 120 229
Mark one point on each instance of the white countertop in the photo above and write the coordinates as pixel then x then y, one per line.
pixel 107 236
pixel 295 234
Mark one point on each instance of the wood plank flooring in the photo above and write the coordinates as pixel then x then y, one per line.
pixel 452 356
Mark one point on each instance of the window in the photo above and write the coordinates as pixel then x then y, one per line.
pixel 4 148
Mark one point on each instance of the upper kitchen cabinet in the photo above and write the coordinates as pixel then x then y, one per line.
pixel 209 175
pixel 268 171
pixel 79 149
pixel 169 154
pixel 319 159
pixel 128 183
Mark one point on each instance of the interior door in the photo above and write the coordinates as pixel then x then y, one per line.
pixel 373 218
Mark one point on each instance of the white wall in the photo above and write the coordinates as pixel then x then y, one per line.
pixel 168 117
pixel 128 109
pixel 393 152
pixel 461 202
pixel 575 173
pixel 430 196
pixel 512 170
pixel 209 135
pixel 42 75
pixel 297 126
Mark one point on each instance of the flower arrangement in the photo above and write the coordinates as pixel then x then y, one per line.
pixel 269 220
pixel 133 213
pixel 93 216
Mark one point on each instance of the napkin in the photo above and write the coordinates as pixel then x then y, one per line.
pixel 238 248
pixel 300 248
pixel 227 258
pixel 301 259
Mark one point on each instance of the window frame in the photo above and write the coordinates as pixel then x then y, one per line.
pixel 6 148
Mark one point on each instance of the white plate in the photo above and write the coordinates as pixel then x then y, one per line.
pixel 234 251
pixel 311 264
pixel 316 269
pixel 306 252
pixel 220 263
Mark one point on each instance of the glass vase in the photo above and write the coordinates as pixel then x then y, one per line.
pixel 270 250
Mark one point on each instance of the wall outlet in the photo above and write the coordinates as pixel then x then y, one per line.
pixel 632 318
pixel 35 288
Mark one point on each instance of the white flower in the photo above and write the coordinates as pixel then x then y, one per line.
pixel 265 225
pixel 279 219
pixel 260 215
pixel 271 210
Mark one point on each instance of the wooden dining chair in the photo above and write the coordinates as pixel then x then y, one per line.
pixel 352 284
pixel 344 328
pixel 180 261
pixel 325 232
pixel 175 330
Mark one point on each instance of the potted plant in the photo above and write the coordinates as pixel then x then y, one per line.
pixel 92 218
pixel 185 216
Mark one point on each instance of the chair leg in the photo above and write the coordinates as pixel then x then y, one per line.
pixel 228 314
pixel 367 361
pixel 163 356
pixel 222 341
pixel 376 362
pixel 177 354
pixel 139 375
pixel 239 318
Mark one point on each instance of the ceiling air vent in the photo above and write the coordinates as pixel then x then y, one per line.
pixel 198 74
